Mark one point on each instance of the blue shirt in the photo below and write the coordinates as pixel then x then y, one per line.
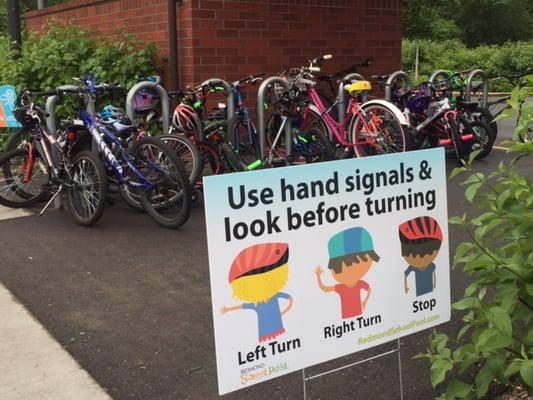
pixel 423 279
pixel 268 316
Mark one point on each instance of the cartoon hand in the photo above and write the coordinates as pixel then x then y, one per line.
pixel 406 289
pixel 318 270
pixel 224 309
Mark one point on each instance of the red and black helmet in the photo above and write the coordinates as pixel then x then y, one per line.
pixel 186 120
pixel 420 229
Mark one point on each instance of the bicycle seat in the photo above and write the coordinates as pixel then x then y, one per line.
pixel 358 86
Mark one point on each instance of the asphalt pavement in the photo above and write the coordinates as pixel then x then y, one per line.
pixel 130 302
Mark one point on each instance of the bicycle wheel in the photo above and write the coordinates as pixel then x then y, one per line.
pixel 248 148
pixel 484 115
pixel 454 134
pixel 378 131
pixel 233 161
pixel 23 178
pixel 17 138
pixel 211 162
pixel 187 152
pixel 168 199
pixel 483 138
pixel 87 197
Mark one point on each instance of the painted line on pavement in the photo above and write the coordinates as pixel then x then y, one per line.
pixel 35 366
pixel 9 213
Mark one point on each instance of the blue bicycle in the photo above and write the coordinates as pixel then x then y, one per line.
pixel 146 169
pixel 241 130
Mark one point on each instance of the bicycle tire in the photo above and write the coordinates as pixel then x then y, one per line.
pixel 234 162
pixel 487 117
pixel 211 162
pixel 99 179
pixel 187 152
pixel 14 193
pixel 390 139
pixel 454 135
pixel 248 152
pixel 171 184
pixel 17 138
pixel 484 140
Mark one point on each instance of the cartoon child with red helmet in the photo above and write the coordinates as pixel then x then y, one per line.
pixel 421 239
pixel 257 276
pixel 351 254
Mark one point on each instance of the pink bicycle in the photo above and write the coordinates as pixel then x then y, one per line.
pixel 371 128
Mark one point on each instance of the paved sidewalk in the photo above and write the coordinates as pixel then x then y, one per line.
pixel 34 366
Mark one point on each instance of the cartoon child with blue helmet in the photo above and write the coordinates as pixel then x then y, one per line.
pixel 351 254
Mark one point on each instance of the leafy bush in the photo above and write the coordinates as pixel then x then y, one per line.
pixel 495 342
pixel 67 51
pixel 509 58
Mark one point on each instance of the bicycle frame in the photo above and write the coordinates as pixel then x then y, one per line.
pixel 340 130
pixel 98 133
pixel 241 108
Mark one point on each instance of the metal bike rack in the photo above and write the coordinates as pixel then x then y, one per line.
pixel 51 105
pixel 485 96
pixel 267 84
pixel 163 96
pixel 341 96
pixel 230 101
pixel 434 75
pixel 393 77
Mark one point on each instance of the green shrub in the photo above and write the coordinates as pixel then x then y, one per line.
pixel 509 58
pixel 495 343
pixel 65 51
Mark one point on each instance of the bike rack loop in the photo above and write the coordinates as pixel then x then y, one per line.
pixel 266 85
pixel 163 96
pixel 483 76
pixel 51 104
pixel 390 82
pixel 230 101
pixel 341 96
pixel 438 72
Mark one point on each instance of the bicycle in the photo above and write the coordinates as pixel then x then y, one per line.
pixel 53 168
pixel 371 128
pixel 146 168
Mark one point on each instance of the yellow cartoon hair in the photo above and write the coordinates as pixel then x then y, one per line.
pixel 261 287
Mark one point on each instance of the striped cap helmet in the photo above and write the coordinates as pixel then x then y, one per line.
pixel 420 228
pixel 350 241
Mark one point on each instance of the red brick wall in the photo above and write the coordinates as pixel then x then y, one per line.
pixel 231 38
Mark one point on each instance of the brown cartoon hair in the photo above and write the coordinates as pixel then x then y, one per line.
pixel 336 263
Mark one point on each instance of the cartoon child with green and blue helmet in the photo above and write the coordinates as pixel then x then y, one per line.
pixel 421 239
pixel 351 254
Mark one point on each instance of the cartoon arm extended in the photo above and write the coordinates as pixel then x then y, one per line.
pixel 225 309
pixel 288 306
pixel 367 297
pixel 434 279
pixel 406 288
pixel 318 272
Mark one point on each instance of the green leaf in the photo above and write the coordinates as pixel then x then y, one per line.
pixel 501 320
pixel 526 372
pixel 457 220
pixel 513 368
pixel 438 370
pixel 471 191
pixel 529 289
pixel 466 303
pixel 483 379
pixel 458 390
pixel 491 339
pixel 456 171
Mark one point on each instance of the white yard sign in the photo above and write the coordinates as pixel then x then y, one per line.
pixel 315 262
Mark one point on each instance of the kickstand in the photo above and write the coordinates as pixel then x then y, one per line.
pixel 51 200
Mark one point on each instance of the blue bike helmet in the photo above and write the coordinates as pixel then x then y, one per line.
pixel 110 114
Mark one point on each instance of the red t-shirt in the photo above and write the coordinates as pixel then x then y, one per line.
pixel 351 298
